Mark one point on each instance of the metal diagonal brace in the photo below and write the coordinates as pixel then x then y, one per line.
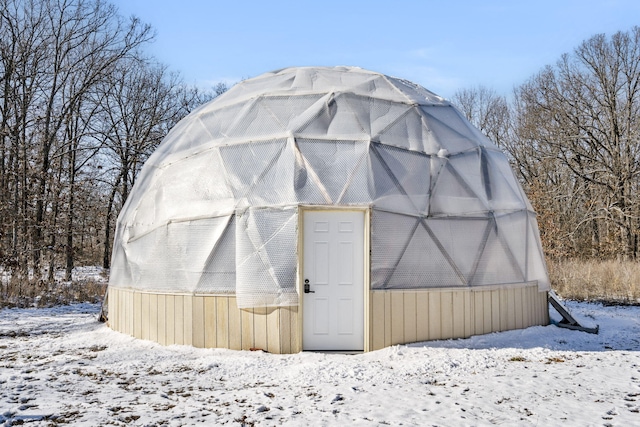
pixel 567 319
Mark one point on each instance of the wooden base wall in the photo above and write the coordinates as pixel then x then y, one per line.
pixel 406 316
pixel 203 321
pixel 394 317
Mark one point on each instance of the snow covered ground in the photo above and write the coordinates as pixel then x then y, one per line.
pixel 59 365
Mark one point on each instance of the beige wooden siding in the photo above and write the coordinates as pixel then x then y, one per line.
pixel 395 317
pixel 203 321
pixel 406 316
pixel 197 308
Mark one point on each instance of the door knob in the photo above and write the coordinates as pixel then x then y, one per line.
pixel 307 286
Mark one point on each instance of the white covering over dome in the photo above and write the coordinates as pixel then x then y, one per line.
pixel 215 208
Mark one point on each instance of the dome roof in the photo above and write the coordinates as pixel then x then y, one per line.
pixel 323 136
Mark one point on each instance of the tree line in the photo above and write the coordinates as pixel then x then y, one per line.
pixel 81 108
pixel 572 132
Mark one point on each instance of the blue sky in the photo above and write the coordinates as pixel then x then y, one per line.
pixel 442 45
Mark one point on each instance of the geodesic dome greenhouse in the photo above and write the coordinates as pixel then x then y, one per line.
pixel 217 209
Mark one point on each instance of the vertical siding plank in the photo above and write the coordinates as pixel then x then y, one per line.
pixel 488 309
pixel 544 306
pixel 126 310
pixel 153 317
pixel 367 326
pixel 410 318
pixel 179 322
pixel 517 307
pixel 469 314
pixel 118 310
pixel 387 319
pixel 296 342
pixel 144 305
pixel 422 316
pixel 210 322
pixel 119 307
pixel 130 311
pixel 435 319
pixel 459 314
pixel 133 299
pixel 496 310
pixel 127 298
pixel 260 328
pixel 222 322
pixel 188 319
pixel 533 306
pixel 478 310
pixel 162 319
pixel 504 309
pixel 198 322
pixel 285 330
pixel 527 307
pixel 137 315
pixel 114 308
pixel 397 317
pixel 235 324
pixel 247 329
pixel 170 307
pixel 377 321
pixel 116 317
pixel 446 310
pixel 526 301
pixel 511 308
pixel 273 330
pixel 125 314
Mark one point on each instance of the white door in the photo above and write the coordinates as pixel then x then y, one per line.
pixel 333 269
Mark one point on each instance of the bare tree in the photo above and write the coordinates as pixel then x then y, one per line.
pixel 23 50
pixel 81 108
pixel 583 115
pixel 53 53
pixel 86 40
pixel 487 110
pixel 139 104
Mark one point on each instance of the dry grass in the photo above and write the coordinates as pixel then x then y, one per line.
pixel 595 280
pixel 24 293
pixel 584 280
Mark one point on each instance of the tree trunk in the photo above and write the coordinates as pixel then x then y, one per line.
pixel 106 258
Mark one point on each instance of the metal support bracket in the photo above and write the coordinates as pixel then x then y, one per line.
pixel 568 320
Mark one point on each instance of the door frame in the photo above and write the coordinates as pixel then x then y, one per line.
pixel 366 259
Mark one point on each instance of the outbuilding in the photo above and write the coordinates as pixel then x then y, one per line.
pixel 325 209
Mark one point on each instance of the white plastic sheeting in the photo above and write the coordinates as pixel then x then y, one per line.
pixel 215 207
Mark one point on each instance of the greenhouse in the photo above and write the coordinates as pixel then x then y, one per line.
pixel 325 209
